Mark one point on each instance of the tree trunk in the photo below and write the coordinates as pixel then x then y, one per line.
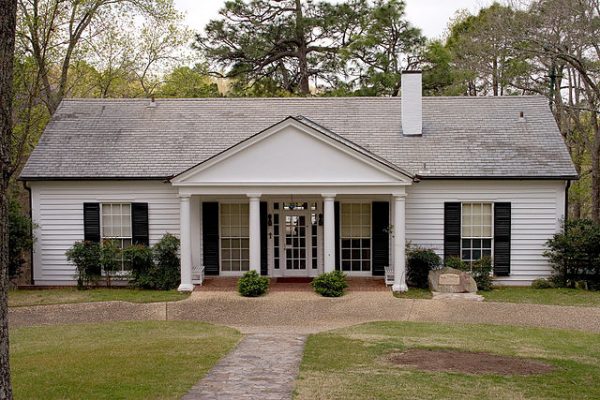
pixel 595 156
pixel 8 20
pixel 302 50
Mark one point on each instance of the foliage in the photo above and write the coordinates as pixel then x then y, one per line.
pixel 20 239
pixel 186 82
pixel 330 284
pixel 251 284
pixel 457 263
pixel 542 284
pixel 481 271
pixel 574 254
pixel 110 259
pixel 419 262
pixel 556 296
pixel 358 44
pixel 157 267
pixel 86 256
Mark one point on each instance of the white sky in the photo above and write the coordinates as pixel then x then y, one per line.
pixel 432 16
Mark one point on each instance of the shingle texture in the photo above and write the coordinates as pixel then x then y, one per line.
pixel 462 136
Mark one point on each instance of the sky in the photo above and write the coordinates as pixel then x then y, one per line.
pixel 432 16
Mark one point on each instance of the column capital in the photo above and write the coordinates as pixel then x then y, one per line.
pixel 399 196
pixel 184 196
pixel 253 195
pixel 329 196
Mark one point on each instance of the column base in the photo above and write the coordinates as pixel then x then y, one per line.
pixel 185 287
pixel 399 287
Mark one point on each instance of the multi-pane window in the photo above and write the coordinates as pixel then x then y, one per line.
pixel 235 233
pixel 356 237
pixel 477 231
pixel 116 225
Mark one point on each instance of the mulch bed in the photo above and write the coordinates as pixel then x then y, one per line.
pixel 468 363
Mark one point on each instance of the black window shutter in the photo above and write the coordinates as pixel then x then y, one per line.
pixel 139 224
pixel 338 252
pixel 91 222
pixel 264 261
pixel 381 238
pixel 210 237
pixel 452 222
pixel 502 228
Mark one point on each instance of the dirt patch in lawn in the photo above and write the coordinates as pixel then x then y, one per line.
pixel 468 363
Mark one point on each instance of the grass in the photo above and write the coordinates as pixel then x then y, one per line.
pixel 559 296
pixel 126 360
pixel 349 363
pixel 414 293
pixel 17 298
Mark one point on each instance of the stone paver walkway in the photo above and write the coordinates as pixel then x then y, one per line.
pixel 261 367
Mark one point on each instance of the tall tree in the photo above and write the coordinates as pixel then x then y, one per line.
pixel 8 21
pixel 294 44
pixel 53 32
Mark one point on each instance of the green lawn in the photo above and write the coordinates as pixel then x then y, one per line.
pixel 18 297
pixel 563 297
pixel 126 360
pixel 350 363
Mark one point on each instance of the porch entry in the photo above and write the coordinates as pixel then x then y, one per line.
pixel 295 238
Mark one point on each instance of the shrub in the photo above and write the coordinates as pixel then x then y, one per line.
pixel 86 256
pixel 481 270
pixel 457 263
pixel 167 264
pixel 418 264
pixel 20 239
pixel 330 284
pixel 575 254
pixel 110 259
pixel 251 284
pixel 157 267
pixel 542 284
pixel 140 262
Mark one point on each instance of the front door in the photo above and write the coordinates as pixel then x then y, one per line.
pixel 296 252
pixel 296 239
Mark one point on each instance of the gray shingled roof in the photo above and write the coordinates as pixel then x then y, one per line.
pixel 462 136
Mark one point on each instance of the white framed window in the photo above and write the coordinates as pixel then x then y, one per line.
pixel 116 226
pixel 477 231
pixel 355 237
pixel 235 237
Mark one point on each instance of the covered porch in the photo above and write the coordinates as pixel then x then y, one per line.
pixel 292 201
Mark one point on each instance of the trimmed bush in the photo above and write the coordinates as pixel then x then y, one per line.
pixel 251 284
pixel 86 256
pixel 481 270
pixel 457 263
pixel 542 284
pixel 20 239
pixel 419 261
pixel 110 259
pixel 157 267
pixel 330 284
pixel 575 254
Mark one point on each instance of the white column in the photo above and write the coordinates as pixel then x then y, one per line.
pixel 328 232
pixel 185 234
pixel 254 232
pixel 399 240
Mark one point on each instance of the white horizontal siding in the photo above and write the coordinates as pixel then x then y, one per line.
pixel 57 211
pixel 537 208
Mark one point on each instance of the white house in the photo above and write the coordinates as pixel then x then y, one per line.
pixel 298 186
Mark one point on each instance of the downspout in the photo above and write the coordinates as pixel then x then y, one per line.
pixel 31 219
pixel 566 218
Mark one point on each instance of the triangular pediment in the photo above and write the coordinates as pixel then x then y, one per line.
pixel 292 152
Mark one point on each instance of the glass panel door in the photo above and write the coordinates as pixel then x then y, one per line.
pixel 295 242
